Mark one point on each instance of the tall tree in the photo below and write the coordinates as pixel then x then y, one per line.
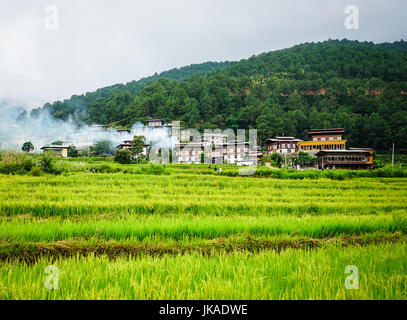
pixel 27 147
pixel 137 146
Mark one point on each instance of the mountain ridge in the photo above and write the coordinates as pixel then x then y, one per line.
pixel 263 92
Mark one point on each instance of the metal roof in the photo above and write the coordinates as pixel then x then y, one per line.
pixel 326 131
pixel 286 139
pixel 343 151
pixel 54 147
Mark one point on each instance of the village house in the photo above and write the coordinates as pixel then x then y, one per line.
pixel 322 140
pixel 188 153
pixel 59 150
pixel 180 133
pixel 283 145
pixel 155 123
pixel 235 152
pixel 214 138
pixel 353 159
pixel 240 153
pixel 128 145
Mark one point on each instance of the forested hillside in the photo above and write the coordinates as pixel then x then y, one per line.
pixel 78 105
pixel 359 86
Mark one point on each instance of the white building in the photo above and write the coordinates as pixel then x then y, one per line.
pixel 188 153
pixel 127 145
pixel 155 123
pixel 214 138
pixel 236 152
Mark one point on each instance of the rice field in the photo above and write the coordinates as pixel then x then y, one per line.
pixel 187 235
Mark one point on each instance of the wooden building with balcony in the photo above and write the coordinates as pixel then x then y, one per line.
pixel 283 145
pixel 323 140
pixel 355 159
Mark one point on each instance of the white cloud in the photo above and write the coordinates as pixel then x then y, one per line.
pixel 102 42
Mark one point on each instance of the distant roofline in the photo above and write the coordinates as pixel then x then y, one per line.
pixel 326 131
pixel 361 148
pixel 329 129
pixel 214 134
pixel 55 147
pixel 128 142
pixel 343 151
pixel 288 139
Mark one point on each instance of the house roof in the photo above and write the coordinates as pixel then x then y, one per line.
pixel 128 144
pixel 340 152
pixel 54 147
pixel 214 134
pixel 327 131
pixel 284 139
pixel 365 149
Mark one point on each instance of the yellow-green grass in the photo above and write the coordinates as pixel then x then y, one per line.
pixel 180 226
pixel 195 236
pixel 118 193
pixel 290 274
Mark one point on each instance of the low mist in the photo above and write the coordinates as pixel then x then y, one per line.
pixel 44 129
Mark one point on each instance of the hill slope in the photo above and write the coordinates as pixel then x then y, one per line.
pixel 360 86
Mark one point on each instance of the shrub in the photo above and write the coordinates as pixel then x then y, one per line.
pixel 103 168
pixel 123 156
pixel 154 169
pixel 72 151
pixel 47 164
pixel 142 159
pixel 36 172
pixel 16 163
pixel 69 166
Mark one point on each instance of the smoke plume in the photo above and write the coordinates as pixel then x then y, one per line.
pixel 44 129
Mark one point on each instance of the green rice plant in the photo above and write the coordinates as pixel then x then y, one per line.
pixel 290 274
pixel 145 231
pixel 149 193
pixel 208 227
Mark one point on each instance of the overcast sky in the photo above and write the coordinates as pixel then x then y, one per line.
pixel 103 42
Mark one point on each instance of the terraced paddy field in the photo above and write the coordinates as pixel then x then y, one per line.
pixel 186 235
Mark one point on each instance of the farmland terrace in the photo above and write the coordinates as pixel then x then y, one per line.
pixel 186 234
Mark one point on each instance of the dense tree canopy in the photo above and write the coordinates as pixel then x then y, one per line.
pixel 27 147
pixel 359 86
